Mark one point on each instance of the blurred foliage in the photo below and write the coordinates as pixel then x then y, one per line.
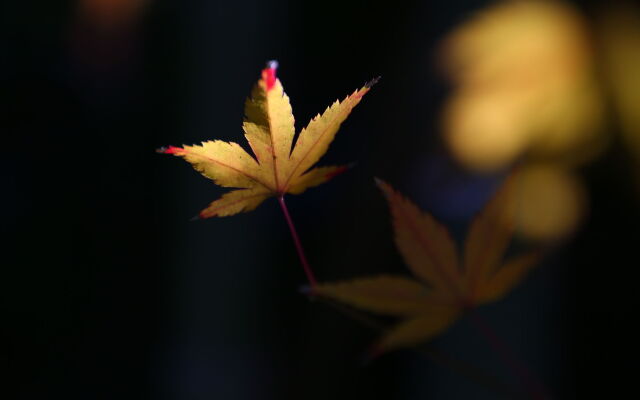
pixel 524 83
pixel 550 202
pixel 445 285
pixel 531 85
pixel 619 39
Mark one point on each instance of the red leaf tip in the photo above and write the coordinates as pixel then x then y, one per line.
pixel 167 150
pixel 338 171
pixel 269 74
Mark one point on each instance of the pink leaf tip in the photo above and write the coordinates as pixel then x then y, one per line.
pixel 269 74
pixel 339 171
pixel 168 150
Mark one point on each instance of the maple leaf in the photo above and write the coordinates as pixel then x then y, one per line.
pixel 277 168
pixel 444 287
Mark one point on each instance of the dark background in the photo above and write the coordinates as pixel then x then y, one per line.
pixel 110 292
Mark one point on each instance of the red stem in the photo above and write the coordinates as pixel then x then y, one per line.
pixel 534 387
pixel 296 241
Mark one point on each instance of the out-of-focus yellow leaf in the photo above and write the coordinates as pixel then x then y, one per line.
pixel 276 168
pixel 524 83
pixel 620 41
pixel 390 295
pixel 442 289
pixel 418 329
pixel 500 283
pixel 550 202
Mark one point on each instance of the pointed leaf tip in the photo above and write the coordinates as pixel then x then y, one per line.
pixel 273 64
pixel 269 74
pixel 277 164
pixel 338 171
pixel 167 150
pixel 372 82
pixel 383 186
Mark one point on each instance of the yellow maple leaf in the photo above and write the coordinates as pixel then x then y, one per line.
pixel 524 82
pixel 277 168
pixel 444 286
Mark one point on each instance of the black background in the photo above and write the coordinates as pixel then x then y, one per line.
pixel 110 292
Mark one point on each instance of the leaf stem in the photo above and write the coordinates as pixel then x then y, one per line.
pixel 535 388
pixel 296 240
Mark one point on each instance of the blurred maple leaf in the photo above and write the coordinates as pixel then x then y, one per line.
pixel 525 83
pixel 276 168
pixel 443 287
pixel 619 29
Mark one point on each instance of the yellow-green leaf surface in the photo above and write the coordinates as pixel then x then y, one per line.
pixel 443 287
pixel 279 166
